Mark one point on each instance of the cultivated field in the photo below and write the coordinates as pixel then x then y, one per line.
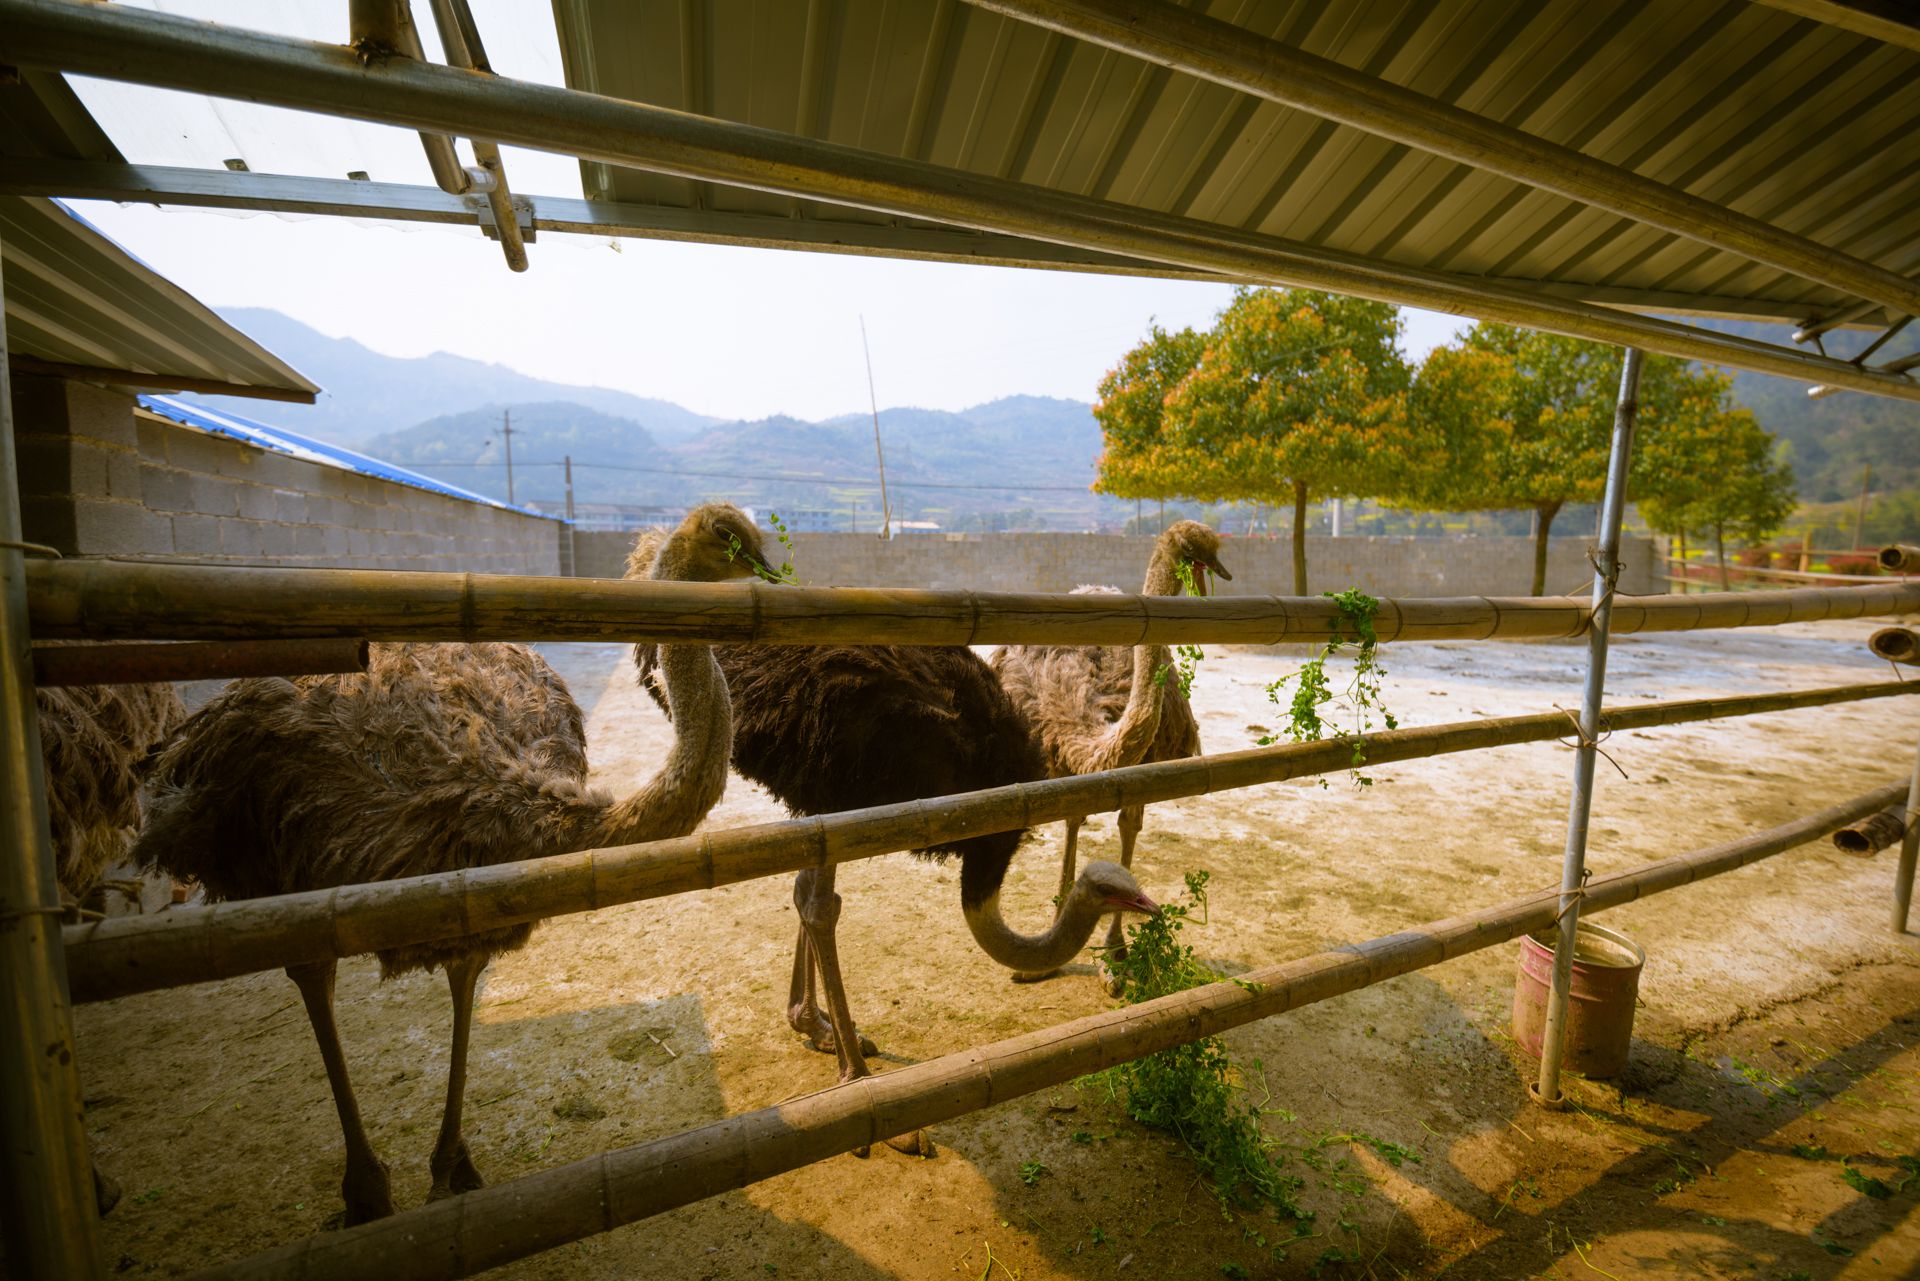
pixel 1779 1028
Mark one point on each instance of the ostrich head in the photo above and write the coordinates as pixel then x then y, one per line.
pixel 1199 546
pixel 715 542
pixel 1111 888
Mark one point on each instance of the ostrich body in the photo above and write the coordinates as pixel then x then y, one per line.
pixel 1097 707
pixel 837 727
pixel 94 742
pixel 438 757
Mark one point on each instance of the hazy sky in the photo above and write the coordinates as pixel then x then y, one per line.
pixel 729 332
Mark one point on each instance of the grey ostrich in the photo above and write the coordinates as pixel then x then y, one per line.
pixel 1096 707
pixel 439 757
pixel 94 742
pixel 837 727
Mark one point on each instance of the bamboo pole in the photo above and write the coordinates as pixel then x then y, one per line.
pixel 1903 871
pixel 1895 644
pixel 1169 35
pixel 462 1235
pixel 48 1226
pixel 200 57
pixel 131 600
pixel 1873 833
pixel 194 661
pixel 1900 558
pixel 124 955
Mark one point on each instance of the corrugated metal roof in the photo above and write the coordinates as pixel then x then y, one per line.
pixel 75 298
pixel 266 436
pixel 1805 125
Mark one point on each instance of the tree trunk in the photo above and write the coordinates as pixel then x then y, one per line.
pixel 1720 552
pixel 1681 570
pixel 1299 538
pixel 1543 514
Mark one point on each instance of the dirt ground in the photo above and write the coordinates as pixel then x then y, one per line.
pixel 1779 1029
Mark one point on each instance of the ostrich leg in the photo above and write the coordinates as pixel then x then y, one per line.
pixel 1132 819
pixel 1068 859
pixel 803 1006
pixel 819 909
pixel 365 1187
pixel 452 1166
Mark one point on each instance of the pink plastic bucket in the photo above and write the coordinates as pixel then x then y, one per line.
pixel 1606 984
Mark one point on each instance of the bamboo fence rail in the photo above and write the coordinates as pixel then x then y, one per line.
pixel 1762 571
pixel 1895 644
pixel 194 660
pixel 461 1235
pixel 128 600
pixel 1900 558
pixel 125 955
pixel 1874 832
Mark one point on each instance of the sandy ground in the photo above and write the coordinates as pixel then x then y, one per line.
pixel 1779 1028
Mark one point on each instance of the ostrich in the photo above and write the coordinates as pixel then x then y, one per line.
pixel 1089 703
pixel 836 727
pixel 94 741
pixel 439 757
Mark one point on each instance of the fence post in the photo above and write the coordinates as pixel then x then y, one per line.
pixel 47 1216
pixel 1573 872
pixel 1909 854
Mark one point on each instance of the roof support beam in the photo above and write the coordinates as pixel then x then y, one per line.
pixel 180 53
pixel 156 382
pixel 1894 22
pixel 1233 56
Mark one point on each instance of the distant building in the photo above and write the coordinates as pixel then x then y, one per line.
pixel 899 528
pixel 615 517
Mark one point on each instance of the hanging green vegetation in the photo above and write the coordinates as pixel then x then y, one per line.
pixel 1312 690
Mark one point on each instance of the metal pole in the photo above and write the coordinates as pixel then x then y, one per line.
pixel 506 433
pixel 1573 870
pixel 47 1215
pixel 1909 855
pixel 159 49
pixel 873 400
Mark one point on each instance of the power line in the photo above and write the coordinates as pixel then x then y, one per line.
pixel 779 476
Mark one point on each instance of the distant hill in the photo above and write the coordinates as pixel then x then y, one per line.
pixel 1832 439
pixel 367 394
pixel 467 448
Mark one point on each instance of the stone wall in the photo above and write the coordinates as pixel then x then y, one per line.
pixel 1260 566
pixel 97 479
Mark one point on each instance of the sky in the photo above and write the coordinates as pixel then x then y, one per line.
pixel 732 332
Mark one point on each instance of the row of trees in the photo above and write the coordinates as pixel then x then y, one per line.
pixel 1296 396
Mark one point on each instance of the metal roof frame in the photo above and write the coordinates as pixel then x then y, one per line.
pixel 183 54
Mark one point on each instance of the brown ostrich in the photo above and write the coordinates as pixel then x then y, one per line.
pixel 837 727
pixel 1098 707
pixel 94 742
pixel 439 757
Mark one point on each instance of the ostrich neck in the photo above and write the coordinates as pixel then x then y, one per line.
pixel 1035 953
pixel 694 775
pixel 1131 737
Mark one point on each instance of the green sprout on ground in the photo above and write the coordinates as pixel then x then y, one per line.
pixel 1312 690
pixel 1030 1172
pixel 784 575
pixel 1186 658
pixel 1197 1093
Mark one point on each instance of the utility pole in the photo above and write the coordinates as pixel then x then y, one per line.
pixel 1860 519
pixel 573 563
pixel 506 431
pixel 886 509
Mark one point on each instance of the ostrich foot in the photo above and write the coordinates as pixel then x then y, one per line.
pixel 106 1192
pixel 368 1192
pixel 919 1143
pixel 1109 977
pixel 454 1173
pixel 1032 976
pixel 818 1029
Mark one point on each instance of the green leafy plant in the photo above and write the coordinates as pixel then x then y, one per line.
pixel 1864 1183
pixel 1030 1172
pixel 736 549
pixel 1312 690
pixel 1186 658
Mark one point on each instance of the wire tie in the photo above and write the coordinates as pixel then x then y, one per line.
pixel 32 549
pixel 1580 740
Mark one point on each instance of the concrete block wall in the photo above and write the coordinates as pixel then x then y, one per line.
pixel 96 479
pixel 1260 566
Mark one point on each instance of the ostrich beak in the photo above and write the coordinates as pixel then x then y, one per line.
pixel 1133 903
pixel 1219 571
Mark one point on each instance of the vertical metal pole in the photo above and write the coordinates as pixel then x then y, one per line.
pixel 47 1215
pixel 506 433
pixel 573 562
pixel 1573 871
pixel 1909 855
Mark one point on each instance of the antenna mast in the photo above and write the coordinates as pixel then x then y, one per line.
pixel 886 510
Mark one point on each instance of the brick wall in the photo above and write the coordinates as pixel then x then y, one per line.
pixel 1261 566
pixel 96 479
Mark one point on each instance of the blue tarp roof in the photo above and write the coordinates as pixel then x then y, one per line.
pixel 306 448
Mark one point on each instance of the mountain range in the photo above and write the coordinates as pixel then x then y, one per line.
pixel 1025 458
